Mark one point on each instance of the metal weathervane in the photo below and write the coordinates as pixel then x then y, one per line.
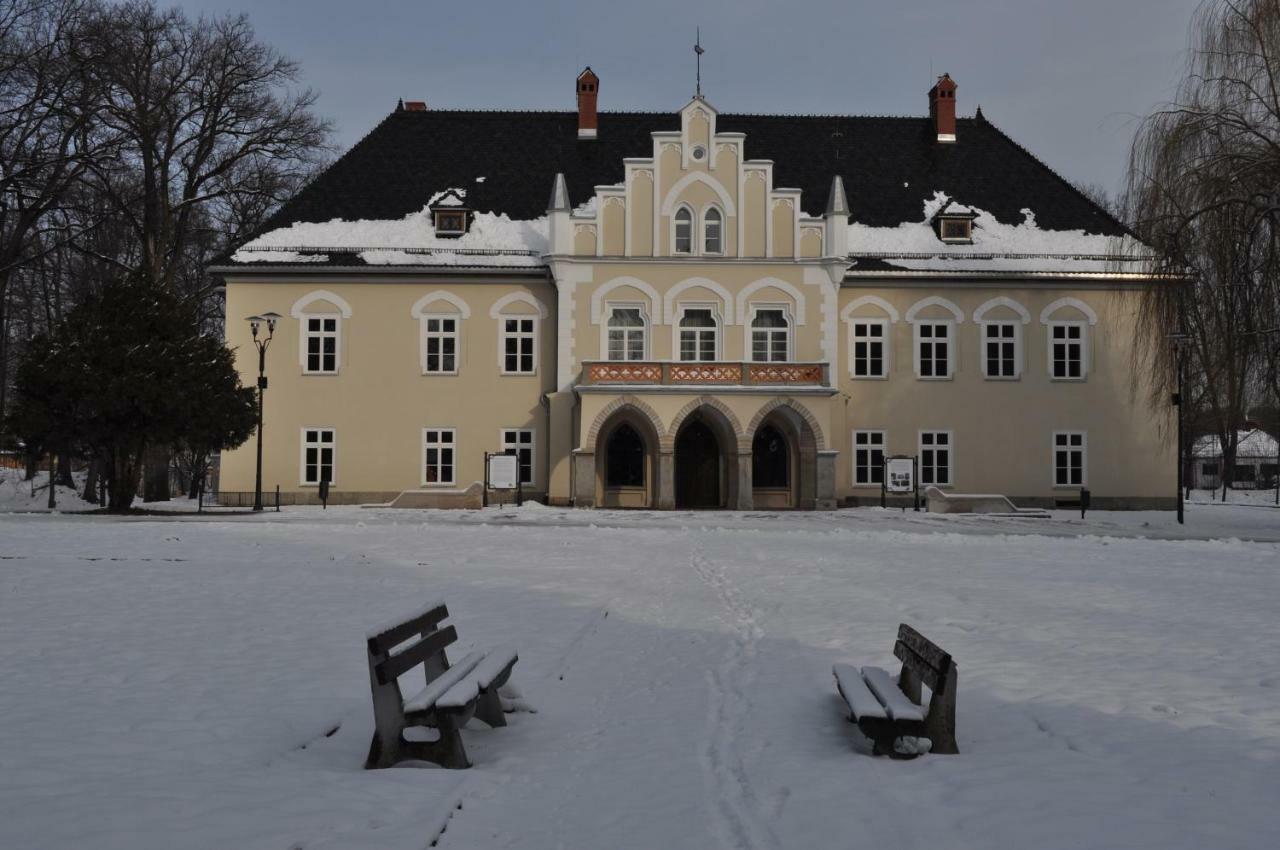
pixel 697 49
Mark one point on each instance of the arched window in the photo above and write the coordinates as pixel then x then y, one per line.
pixel 711 232
pixel 625 458
pixel 626 333
pixel 684 231
pixel 770 336
pixel 769 459
pixel 698 332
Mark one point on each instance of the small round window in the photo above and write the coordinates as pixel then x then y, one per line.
pixel 699 151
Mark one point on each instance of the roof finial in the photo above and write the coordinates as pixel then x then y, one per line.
pixel 698 51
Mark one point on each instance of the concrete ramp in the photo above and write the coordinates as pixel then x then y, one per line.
pixel 471 497
pixel 939 502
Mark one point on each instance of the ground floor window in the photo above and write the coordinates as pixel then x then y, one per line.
pixel 935 458
pixel 1245 472
pixel 625 458
pixel 1069 458
pixel 437 455
pixel 520 440
pixel 1210 469
pixel 317 455
pixel 868 457
pixel 769 459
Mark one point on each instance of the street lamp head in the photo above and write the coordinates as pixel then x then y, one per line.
pixel 271 319
pixel 255 322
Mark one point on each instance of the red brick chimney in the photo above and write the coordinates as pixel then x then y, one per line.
pixel 415 106
pixel 942 108
pixel 588 91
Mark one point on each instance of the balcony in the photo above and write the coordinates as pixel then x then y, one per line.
pixel 664 373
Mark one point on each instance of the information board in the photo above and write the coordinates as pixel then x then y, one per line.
pixel 900 475
pixel 502 472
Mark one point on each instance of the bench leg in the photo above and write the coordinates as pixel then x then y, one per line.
pixel 940 722
pixel 448 751
pixel 384 749
pixel 489 708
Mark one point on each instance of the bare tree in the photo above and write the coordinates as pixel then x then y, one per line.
pixel 1203 190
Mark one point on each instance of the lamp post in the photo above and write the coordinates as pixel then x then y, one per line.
pixel 261 343
pixel 1179 341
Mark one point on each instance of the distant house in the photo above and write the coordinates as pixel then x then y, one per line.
pixel 1255 463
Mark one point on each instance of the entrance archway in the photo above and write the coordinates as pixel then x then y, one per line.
pixel 626 452
pixel 783 459
pixel 698 467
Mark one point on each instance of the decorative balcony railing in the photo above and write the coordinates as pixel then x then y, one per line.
pixel 598 372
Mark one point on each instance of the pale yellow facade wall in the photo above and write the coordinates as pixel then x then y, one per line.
pixel 783 223
pixel 614 222
pixel 753 212
pixel 640 214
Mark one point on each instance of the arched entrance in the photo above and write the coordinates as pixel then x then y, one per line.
pixel 783 460
pixel 626 453
pixel 698 467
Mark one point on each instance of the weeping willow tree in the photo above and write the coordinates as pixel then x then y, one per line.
pixel 1203 191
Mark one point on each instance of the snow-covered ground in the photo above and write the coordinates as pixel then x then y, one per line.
pixel 169 682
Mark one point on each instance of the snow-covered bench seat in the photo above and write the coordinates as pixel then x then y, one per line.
pixel 453 694
pixel 890 713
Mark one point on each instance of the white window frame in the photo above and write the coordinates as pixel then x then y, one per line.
pixel 1083 325
pixel 749 331
pixel 422 458
pixel 306 334
pixel 302 455
pixel 724 223
pixel 1084 459
pixel 1017 348
pixel 531 445
pixel 681 309
pixel 693 232
pixel 424 335
pixel 883 445
pixel 952 347
pixel 951 456
pixel 646 330
pixel 885 347
pixel 503 333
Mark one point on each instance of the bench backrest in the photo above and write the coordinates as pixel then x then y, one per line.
pixel 923 657
pixel 386 666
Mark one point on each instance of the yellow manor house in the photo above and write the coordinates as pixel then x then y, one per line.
pixel 695 310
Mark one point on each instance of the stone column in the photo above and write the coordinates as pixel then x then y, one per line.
pixel 746 500
pixel 666 480
pixel 826 489
pixel 584 478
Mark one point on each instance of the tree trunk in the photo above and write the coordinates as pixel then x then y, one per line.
pixel 124 484
pixel 64 470
pixel 91 481
pixel 156 472
pixel 32 466
pixel 53 483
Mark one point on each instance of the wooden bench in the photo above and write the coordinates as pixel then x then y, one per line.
pixel 453 693
pixel 890 713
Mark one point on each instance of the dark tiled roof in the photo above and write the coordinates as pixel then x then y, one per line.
pixel 890 166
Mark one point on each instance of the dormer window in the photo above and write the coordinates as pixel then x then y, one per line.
pixel 450 214
pixel 954 223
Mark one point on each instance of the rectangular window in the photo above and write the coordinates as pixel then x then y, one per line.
pixel 1209 469
pixel 868 457
pixel 869 359
pixel 518 339
pixel 933 349
pixel 1066 351
pixel 1069 458
pixel 317 455
pixel 1000 350
pixel 935 458
pixel 321 341
pixel 520 440
pixel 437 455
pixel 698 332
pixel 770 333
pixel 1244 473
pixel 440 344
pixel 625 336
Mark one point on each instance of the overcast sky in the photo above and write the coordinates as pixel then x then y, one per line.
pixel 1066 79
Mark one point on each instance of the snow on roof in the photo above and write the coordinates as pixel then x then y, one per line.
pixel 1256 443
pixel 996 246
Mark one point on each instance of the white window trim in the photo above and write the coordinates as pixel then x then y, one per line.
pixel 1085 364
pixel 1017 348
pixel 884 452
pixel 502 340
pixel 754 308
pixel 304 335
pixel 422 457
pixel 1084 460
pixel 678 316
pixel 886 348
pixel 952 348
pixel 702 231
pixel 533 453
pixel 609 307
pixel 457 343
pixel 951 456
pixel 302 455
pixel 693 232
